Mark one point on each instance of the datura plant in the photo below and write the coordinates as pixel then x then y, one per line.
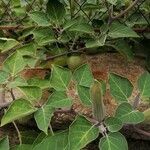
pixel 55 36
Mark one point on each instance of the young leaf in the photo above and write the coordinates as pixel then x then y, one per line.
pixel 40 18
pixel 118 30
pixel 4 76
pixel 14 64
pixel 127 114
pixel 84 94
pixel 60 78
pixel 43 116
pixel 120 87
pixel 113 141
pixel 7 44
pixel 113 124
pixel 18 109
pixel 59 99
pixel 58 141
pixel 81 132
pixel 55 10
pixel 144 85
pixel 83 76
pixel 32 93
pixel 4 143
pixel 97 101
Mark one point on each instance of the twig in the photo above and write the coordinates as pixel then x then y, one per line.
pixel 12 94
pixel 136 101
pixel 140 131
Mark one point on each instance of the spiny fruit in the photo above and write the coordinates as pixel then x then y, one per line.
pixel 75 61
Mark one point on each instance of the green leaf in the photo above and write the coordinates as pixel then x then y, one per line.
pixel 18 109
pixel 113 2
pixel 43 36
pixel 28 50
pixel 59 99
pixel 60 78
pixel 22 147
pixel 81 132
pixel 43 117
pixel 123 48
pixel 42 83
pixel 96 42
pixel 7 44
pixel 84 95
pixel 14 64
pixel 118 30
pixel 113 141
pixel 83 76
pixel 58 141
pixel 4 143
pixel 4 76
pixel 31 61
pixel 113 124
pixel 120 87
pixel 32 93
pixel 40 18
pixel 127 114
pixel 55 10
pixel 18 81
pixel 144 85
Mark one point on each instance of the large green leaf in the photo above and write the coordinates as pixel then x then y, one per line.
pixel 4 76
pixel 144 85
pixel 118 30
pixel 43 117
pixel 28 49
pixel 120 87
pixel 127 114
pixel 4 144
pixel 113 124
pixel 14 64
pixel 22 147
pixel 81 132
pixel 113 141
pixel 58 141
pixel 55 10
pixel 7 44
pixel 32 93
pixel 83 76
pixel 59 99
pixel 43 36
pixel 40 18
pixel 18 109
pixel 60 78
pixel 123 48
pixel 84 95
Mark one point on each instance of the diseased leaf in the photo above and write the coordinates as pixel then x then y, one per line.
pixel 127 114
pixel 83 76
pixel 59 99
pixel 4 143
pixel 14 64
pixel 113 141
pixel 144 85
pixel 81 132
pixel 18 109
pixel 113 124
pixel 43 116
pixel 60 78
pixel 120 87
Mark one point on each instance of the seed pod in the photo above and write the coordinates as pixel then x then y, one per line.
pixel 97 101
